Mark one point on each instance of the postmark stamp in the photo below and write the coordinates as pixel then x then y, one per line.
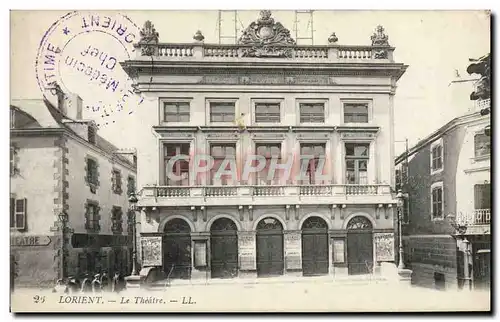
pixel 81 52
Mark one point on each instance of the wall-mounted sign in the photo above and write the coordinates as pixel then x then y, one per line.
pixel 151 250
pixel 293 250
pixel 338 251
pixel 200 253
pixel 32 240
pixel 247 251
pixel 384 246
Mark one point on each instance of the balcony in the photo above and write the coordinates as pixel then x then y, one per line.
pixel 264 195
pixel 477 217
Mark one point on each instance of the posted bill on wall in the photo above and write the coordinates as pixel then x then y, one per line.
pixel 244 161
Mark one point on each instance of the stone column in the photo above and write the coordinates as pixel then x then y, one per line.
pixel 293 252
pixel 247 254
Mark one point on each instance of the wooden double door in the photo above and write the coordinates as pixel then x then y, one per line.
pixel 359 246
pixel 315 247
pixel 177 249
pixel 224 249
pixel 270 259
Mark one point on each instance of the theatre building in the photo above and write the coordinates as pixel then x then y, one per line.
pixel 68 194
pixel 266 96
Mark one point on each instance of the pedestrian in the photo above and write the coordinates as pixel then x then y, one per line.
pixel 60 287
pixel 117 285
pixel 86 284
pixel 73 285
pixel 96 283
pixel 105 283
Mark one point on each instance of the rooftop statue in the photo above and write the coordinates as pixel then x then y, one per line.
pixel 149 34
pixel 379 38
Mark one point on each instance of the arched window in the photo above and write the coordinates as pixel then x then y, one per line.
pixel 177 225
pixel 314 223
pixel 269 223
pixel 359 222
pixel 223 224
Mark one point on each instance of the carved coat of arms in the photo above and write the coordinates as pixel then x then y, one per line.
pixel 266 38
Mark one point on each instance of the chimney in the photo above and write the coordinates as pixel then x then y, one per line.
pixel 61 99
pixel 74 107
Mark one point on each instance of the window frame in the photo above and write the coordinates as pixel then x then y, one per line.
pixel 311 173
pixel 484 156
pixel 92 180
pixel 14 213
pixel 208 110
pixel 224 181
pixel 356 163
pixel 435 186
pixel 435 144
pixel 165 160
pixel 131 179
pixel 300 102
pixel 117 223
pixel 369 108
pixel 163 110
pixel 116 181
pixel 277 181
pixel 256 102
pixel 92 224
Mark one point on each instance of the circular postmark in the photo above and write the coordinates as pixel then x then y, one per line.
pixel 81 54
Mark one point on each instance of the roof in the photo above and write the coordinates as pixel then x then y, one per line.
pixel 438 134
pixel 49 117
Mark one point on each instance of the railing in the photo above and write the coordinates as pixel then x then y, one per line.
pixel 314 190
pixel 355 189
pixel 269 191
pixel 273 191
pixel 322 52
pixel 477 217
pixel 173 191
pixel 482 216
pixel 221 191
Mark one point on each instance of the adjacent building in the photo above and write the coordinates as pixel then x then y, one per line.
pixel 447 177
pixel 60 165
pixel 266 96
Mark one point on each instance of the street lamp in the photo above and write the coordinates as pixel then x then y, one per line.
pixel 400 203
pixel 63 219
pixel 133 203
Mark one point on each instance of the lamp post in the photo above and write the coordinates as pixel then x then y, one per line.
pixel 400 203
pixel 133 204
pixel 459 233
pixel 63 220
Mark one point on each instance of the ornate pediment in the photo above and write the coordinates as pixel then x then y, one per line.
pixel 266 38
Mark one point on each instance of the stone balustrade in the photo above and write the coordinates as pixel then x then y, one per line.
pixel 320 53
pixel 477 217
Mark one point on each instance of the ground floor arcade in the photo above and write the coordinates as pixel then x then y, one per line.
pixel 270 245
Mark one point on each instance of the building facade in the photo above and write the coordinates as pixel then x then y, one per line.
pixel 265 98
pixel 447 177
pixel 60 165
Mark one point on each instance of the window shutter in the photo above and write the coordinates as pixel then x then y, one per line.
pixel 20 213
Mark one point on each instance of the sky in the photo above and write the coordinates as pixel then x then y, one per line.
pixel 436 45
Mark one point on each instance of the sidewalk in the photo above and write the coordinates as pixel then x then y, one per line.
pixel 358 279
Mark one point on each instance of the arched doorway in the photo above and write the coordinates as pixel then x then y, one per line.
pixel 314 247
pixel 359 246
pixel 224 248
pixel 177 249
pixel 269 247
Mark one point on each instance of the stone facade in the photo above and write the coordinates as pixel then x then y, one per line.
pixel 49 178
pixel 291 216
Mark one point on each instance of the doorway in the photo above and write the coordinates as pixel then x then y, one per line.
pixel 359 246
pixel 224 248
pixel 177 249
pixel 269 247
pixel 314 247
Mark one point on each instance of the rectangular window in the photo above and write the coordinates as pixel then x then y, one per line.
pixel 356 161
pixel 92 222
pixel 312 112
pixel 355 113
pixel 270 151
pixel 437 202
pixel 176 112
pixel 130 186
pixel 222 112
pixel 91 171
pixel 176 167
pixel 312 153
pixel 117 181
pixel 482 196
pixel 437 157
pixel 482 145
pixel 91 134
pixel 221 152
pixel 117 220
pixel 18 213
pixel 267 113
